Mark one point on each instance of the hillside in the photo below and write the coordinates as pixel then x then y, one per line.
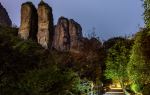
pixel 25 65
pixel 43 58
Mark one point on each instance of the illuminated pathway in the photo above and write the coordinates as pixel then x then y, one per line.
pixel 115 91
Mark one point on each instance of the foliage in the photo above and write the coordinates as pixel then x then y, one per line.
pixel 138 67
pixel 28 69
pixel 117 60
pixel 51 81
pixel 86 87
pixel 146 13
pixel 111 42
pixel 136 87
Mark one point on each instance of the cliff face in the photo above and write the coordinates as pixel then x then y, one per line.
pixel 67 35
pixel 61 36
pixel 28 27
pixel 75 32
pixel 45 25
pixel 4 17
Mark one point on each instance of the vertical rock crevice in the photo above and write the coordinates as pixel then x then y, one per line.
pixel 29 20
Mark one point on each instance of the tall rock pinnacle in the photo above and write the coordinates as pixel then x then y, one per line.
pixel 68 35
pixel 45 25
pixel 62 37
pixel 29 20
pixel 4 17
pixel 75 32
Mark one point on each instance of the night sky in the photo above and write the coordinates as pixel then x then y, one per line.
pixel 108 18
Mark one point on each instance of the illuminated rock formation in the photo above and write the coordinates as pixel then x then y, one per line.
pixel 45 25
pixel 28 27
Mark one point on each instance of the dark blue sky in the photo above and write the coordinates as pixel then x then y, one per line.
pixel 108 17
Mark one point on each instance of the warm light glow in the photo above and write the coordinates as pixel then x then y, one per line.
pixel 115 86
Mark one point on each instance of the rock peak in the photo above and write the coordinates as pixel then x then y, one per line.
pixel 27 3
pixel 4 17
pixel 67 35
pixel 28 26
pixel 45 25
pixel 61 35
pixel 42 3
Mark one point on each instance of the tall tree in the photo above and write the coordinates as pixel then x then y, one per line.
pixel 117 60
pixel 138 67
pixel 147 13
pixel 139 64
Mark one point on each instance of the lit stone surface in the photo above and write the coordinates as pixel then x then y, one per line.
pixel 45 25
pixel 28 27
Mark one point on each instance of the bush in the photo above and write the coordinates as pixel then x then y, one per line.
pixel 28 69
pixel 136 87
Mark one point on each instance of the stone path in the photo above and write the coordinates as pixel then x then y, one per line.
pixel 114 92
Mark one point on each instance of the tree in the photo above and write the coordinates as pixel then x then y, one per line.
pixel 111 42
pixel 51 81
pixel 138 67
pixel 147 13
pixel 117 60
pixel 28 69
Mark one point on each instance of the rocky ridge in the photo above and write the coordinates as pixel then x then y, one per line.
pixel 4 17
pixel 65 36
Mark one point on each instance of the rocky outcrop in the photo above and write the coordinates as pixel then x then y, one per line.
pixel 4 17
pixel 75 32
pixel 28 27
pixel 62 36
pixel 67 35
pixel 45 25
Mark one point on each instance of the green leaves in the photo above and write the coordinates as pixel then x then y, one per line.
pixel 147 12
pixel 50 80
pixel 28 69
pixel 139 64
pixel 117 60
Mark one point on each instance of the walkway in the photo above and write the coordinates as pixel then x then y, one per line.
pixel 115 91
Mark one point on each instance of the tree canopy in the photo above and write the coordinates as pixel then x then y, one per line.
pixel 147 13
pixel 138 67
pixel 117 60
